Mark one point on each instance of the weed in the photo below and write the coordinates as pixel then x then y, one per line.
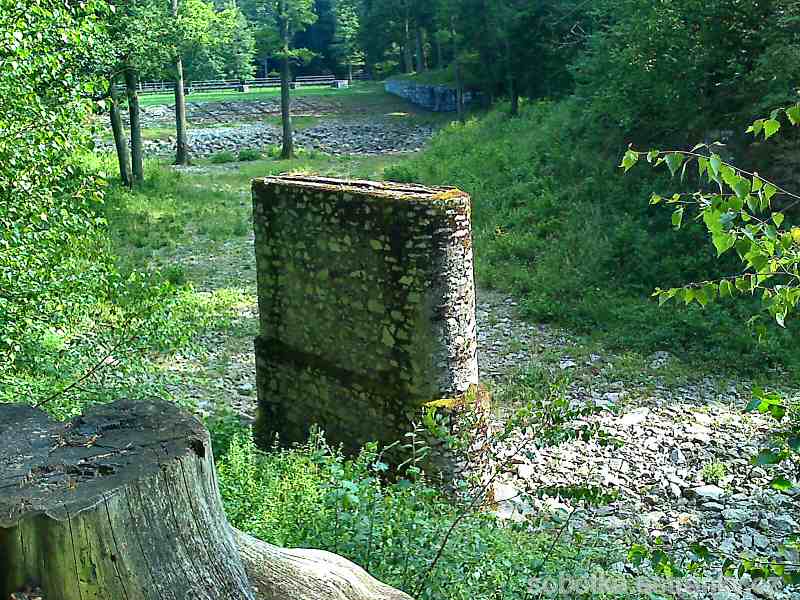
pixel 713 472
pixel 222 157
pixel 247 154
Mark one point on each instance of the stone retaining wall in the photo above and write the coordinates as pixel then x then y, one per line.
pixel 367 306
pixel 436 98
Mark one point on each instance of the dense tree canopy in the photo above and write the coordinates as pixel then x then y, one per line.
pixel 51 259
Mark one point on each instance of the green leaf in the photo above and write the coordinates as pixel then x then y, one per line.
pixel 723 242
pixel 770 191
pixel 777 218
pixel 771 127
pixel 725 289
pixel 794 443
pixel 781 484
pixel 677 218
pixel 755 404
pixel 793 113
pixel 629 160
pixel 674 161
pixel 715 162
pixel 756 127
pixel 742 187
pixel 767 457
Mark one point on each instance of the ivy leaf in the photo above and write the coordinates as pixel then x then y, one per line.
pixel 777 218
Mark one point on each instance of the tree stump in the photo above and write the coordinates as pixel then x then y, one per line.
pixel 119 504
pixel 122 504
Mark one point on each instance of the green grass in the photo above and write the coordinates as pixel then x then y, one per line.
pixel 172 207
pixel 358 91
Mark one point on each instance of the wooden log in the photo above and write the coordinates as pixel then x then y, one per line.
pixel 122 504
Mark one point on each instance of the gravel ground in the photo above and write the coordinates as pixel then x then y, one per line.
pixel 350 136
pixel 668 434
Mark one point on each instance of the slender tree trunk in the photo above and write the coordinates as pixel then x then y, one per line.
pixel 286 110
pixel 459 81
pixel 421 62
pixel 137 156
pixel 439 57
pixel 407 58
pixel 513 92
pixel 181 136
pixel 120 139
pixel 349 71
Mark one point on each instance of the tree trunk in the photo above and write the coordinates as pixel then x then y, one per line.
pixel 137 156
pixel 459 81
pixel 513 93
pixel 349 71
pixel 122 504
pixel 439 57
pixel 181 136
pixel 421 63
pixel 120 139
pixel 287 150
pixel 407 59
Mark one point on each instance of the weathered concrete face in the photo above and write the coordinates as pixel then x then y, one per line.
pixel 367 305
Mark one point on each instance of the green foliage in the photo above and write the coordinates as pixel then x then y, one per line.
pixel 742 211
pixel 225 156
pixel 557 228
pixel 246 154
pixel 713 472
pixel 658 69
pixel 52 260
pixel 221 44
pixel 314 497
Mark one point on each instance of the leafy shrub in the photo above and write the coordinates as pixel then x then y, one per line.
pixel 247 154
pixel 222 157
pixel 713 472
pixel 401 172
pixel 312 496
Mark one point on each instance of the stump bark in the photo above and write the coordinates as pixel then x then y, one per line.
pixel 122 504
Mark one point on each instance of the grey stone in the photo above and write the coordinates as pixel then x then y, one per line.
pixel 706 492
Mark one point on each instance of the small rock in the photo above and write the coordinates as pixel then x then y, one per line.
pixel 677 457
pixel 706 492
pixel 635 417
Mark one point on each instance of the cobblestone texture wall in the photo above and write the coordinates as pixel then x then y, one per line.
pixel 367 305
pixel 436 98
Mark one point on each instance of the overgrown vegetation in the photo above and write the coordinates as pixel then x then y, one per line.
pixel 579 245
